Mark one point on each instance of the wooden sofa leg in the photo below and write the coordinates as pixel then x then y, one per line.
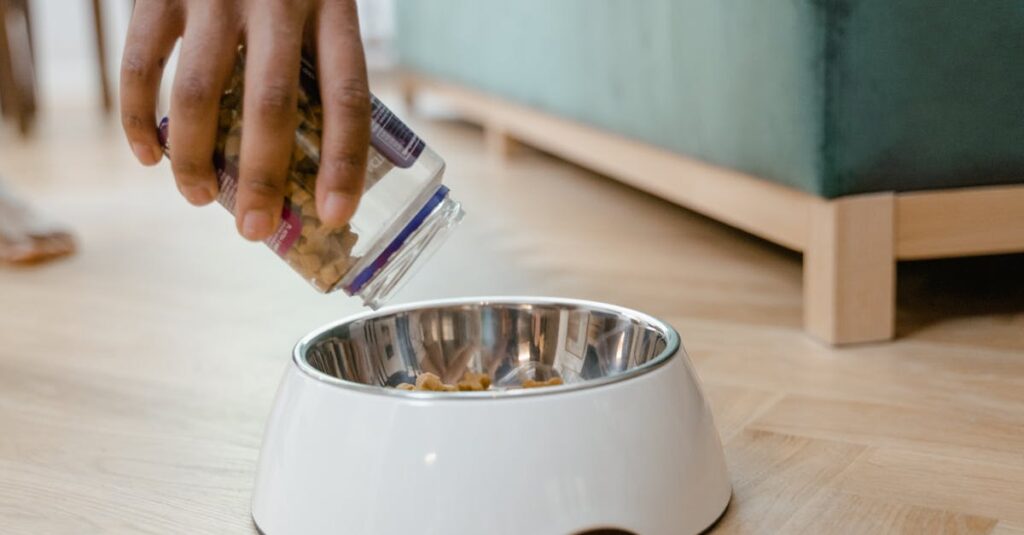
pixel 849 270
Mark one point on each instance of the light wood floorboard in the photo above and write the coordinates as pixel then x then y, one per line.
pixel 135 378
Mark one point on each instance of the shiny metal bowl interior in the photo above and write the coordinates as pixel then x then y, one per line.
pixel 588 344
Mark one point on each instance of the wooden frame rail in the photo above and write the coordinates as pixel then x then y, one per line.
pixel 850 244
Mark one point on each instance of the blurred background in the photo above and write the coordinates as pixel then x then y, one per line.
pixel 825 198
pixel 67 48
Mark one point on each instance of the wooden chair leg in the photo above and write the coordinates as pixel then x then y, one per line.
pixel 101 56
pixel 7 88
pixel 849 270
pixel 17 68
pixel 28 30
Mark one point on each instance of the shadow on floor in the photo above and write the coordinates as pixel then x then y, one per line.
pixel 932 291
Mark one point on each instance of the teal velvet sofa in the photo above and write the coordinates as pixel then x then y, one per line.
pixel 907 113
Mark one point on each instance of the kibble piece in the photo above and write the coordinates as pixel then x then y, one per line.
pixel 470 382
pixel 310 263
pixel 470 386
pixel 429 381
pixel 308 209
pixel 530 383
pixel 329 274
pixel 300 196
pixel 474 382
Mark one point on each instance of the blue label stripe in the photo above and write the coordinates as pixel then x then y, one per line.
pixel 364 276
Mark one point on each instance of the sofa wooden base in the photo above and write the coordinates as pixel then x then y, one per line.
pixel 850 244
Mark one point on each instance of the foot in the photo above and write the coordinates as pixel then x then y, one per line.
pixel 26 238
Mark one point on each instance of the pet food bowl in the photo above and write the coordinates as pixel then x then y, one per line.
pixel 627 443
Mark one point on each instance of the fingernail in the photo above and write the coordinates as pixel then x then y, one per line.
pixel 256 225
pixel 197 195
pixel 145 153
pixel 338 208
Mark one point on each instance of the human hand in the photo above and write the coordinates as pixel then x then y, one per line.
pixel 274 32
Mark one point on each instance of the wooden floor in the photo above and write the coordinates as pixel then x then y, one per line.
pixel 135 378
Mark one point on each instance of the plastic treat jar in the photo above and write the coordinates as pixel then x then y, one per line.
pixel 404 214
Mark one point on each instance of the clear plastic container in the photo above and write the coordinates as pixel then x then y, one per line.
pixel 404 214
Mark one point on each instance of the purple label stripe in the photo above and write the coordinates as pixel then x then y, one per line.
pixel 382 259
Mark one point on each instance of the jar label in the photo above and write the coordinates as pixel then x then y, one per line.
pixel 388 134
pixel 392 137
pixel 288 231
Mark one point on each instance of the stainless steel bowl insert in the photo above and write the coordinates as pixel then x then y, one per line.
pixel 588 344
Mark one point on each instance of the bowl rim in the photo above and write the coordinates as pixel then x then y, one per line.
pixel 672 348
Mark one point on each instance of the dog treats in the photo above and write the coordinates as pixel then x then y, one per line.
pixel 319 253
pixel 530 383
pixel 470 382
pixel 474 382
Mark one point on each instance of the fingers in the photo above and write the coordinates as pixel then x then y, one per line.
pixel 208 54
pixel 268 132
pixel 155 26
pixel 346 108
